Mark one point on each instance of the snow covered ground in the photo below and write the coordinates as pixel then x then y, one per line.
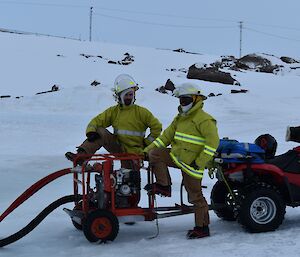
pixel 36 131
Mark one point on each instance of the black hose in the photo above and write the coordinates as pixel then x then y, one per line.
pixel 38 219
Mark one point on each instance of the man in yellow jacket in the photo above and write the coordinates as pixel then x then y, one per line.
pixel 128 120
pixel 193 138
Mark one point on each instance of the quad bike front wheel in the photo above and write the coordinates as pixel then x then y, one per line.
pixel 262 209
pixel 223 201
pixel 101 225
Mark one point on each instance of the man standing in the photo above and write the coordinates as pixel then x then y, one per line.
pixel 194 139
pixel 128 120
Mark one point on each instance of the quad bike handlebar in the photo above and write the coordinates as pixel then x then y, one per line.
pixel 293 134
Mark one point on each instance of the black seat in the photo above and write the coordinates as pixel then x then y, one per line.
pixel 288 162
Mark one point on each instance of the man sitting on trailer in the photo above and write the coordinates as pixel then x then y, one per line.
pixel 194 139
pixel 129 121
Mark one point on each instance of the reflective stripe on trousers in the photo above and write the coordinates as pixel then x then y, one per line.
pixel 198 174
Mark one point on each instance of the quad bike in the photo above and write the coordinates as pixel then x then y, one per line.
pixel 254 186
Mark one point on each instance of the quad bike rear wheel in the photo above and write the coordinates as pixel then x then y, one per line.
pixel 223 201
pixel 262 209
pixel 101 225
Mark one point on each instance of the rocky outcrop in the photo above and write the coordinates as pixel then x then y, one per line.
pixel 167 88
pixel 235 91
pixel 5 96
pixel 214 72
pixel 211 73
pixel 181 50
pixel 288 60
pixel 256 63
pixel 54 88
pixel 95 83
pixel 128 59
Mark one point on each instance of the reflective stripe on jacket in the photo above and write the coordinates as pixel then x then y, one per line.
pixel 193 137
pixel 130 124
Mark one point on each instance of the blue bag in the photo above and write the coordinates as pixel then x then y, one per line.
pixel 236 152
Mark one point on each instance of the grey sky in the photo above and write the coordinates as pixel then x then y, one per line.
pixel 270 26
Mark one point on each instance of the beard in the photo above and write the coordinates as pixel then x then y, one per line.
pixel 128 101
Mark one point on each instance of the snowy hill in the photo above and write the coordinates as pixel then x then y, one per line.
pixel 36 131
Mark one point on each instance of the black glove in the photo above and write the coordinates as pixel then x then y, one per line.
pixel 92 136
pixel 146 157
pixel 194 165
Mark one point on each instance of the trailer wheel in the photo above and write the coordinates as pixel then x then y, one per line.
pixel 101 225
pixel 262 209
pixel 78 207
pixel 223 201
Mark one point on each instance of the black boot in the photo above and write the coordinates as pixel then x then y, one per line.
pixel 158 189
pixel 77 158
pixel 198 232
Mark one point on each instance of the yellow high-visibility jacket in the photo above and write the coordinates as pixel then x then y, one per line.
pixel 194 140
pixel 130 124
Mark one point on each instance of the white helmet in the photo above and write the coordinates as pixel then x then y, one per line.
pixel 123 82
pixel 187 88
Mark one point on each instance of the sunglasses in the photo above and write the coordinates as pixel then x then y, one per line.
pixel 185 100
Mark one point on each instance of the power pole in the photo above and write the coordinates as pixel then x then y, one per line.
pixel 91 17
pixel 241 30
